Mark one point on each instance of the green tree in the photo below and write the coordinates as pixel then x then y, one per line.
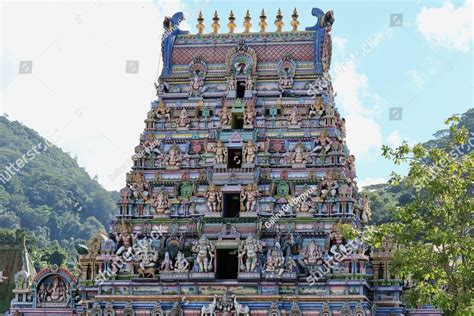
pixel 434 227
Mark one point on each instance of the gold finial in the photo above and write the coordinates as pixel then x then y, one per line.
pixel 231 23
pixel 215 25
pixel 247 24
pixel 294 22
pixel 263 24
pixel 279 21
pixel 200 26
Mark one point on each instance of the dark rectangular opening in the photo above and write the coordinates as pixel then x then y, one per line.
pixel 234 158
pixel 227 264
pixel 231 205
pixel 237 121
pixel 240 90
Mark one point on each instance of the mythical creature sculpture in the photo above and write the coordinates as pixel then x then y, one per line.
pixel 171 30
pixel 248 197
pixel 204 250
pixel 248 253
pixel 250 149
pixel 210 309
pixel 240 309
pixel 214 198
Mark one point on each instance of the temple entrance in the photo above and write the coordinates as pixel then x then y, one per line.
pixel 234 158
pixel 227 264
pixel 240 90
pixel 237 121
pixel 231 205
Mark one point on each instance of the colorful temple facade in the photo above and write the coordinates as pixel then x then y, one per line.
pixel 241 183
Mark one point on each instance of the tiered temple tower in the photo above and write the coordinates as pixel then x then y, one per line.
pixel 241 183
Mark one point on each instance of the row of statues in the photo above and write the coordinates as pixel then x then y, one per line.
pixel 175 157
pixel 140 192
pixel 293 117
pixel 253 255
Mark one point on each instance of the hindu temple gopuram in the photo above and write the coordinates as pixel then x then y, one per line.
pixel 241 182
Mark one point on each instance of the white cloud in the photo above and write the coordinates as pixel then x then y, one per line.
pixel 363 132
pixel 370 181
pixel 79 90
pixel 415 78
pixel 394 138
pixel 447 26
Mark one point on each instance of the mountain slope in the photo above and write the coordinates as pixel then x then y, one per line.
pixel 45 191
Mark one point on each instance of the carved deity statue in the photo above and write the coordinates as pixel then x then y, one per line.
pixel 250 150
pixel 306 205
pixel 231 83
pixel 162 111
pixel 323 143
pixel 328 186
pixel 294 118
pixel 214 198
pixel 204 250
pixel 167 263
pixel 249 82
pixel 146 257
pixel 181 264
pixel 173 157
pixel 225 116
pixel 275 260
pixel 249 114
pixel 56 291
pixel 221 153
pixel 316 109
pixel 312 253
pixel 248 253
pixel 160 202
pixel 298 156
pixel 183 119
pixel 248 198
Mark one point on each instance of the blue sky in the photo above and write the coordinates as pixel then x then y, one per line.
pixel 79 95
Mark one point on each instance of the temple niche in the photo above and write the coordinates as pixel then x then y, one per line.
pixel 240 184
